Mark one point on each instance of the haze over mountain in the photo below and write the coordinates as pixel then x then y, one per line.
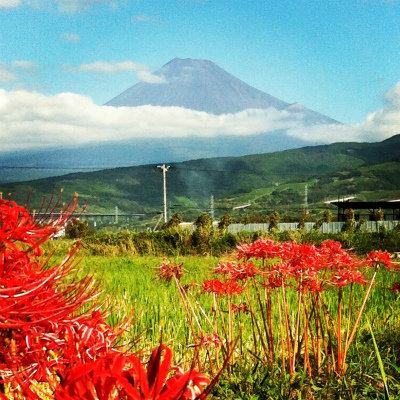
pixel 198 85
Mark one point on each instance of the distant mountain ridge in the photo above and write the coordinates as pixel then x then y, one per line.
pixel 202 85
pixel 370 170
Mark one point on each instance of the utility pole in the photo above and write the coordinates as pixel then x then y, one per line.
pixel 212 206
pixel 306 200
pixel 164 169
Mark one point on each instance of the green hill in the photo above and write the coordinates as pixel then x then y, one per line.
pixel 267 181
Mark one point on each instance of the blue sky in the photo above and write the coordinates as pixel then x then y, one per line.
pixel 340 58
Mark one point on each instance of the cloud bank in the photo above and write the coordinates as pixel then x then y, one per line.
pixel 10 72
pixel 63 6
pixel 10 3
pixel 70 37
pixel 33 120
pixel 136 19
pixel 141 70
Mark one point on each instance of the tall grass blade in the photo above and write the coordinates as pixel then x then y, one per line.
pixel 387 396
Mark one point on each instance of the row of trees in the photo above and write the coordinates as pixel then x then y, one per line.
pixel 205 221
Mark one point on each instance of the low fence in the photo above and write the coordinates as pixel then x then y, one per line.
pixel 326 227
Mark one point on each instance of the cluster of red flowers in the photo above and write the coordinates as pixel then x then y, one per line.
pixel 236 271
pixel 167 270
pixel 380 257
pixel 241 307
pixel 52 329
pixel 305 267
pixel 119 376
pixel 208 340
pixel 396 287
pixel 221 288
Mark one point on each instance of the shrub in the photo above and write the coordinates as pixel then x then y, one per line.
pixel 78 229
pixel 350 221
pixel 174 222
pixel 274 220
pixel 224 221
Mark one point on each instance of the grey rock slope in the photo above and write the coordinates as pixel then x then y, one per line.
pixel 204 86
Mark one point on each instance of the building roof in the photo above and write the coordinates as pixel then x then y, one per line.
pixel 367 205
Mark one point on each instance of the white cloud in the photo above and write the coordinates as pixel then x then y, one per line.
pixel 74 6
pixel 10 3
pixel 34 120
pixel 113 67
pixel 26 65
pixel 6 75
pixel 70 37
pixel 393 98
pixel 31 119
pixel 65 6
pixel 379 125
pixel 142 18
pixel 142 71
pixel 11 71
pixel 148 77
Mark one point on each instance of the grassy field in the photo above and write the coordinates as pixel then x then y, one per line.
pixel 130 283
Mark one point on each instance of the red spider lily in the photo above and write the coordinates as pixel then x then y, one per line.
pixel 39 352
pixel 275 278
pixel 241 307
pixel 167 270
pixel 235 271
pixel 16 225
pixel 311 285
pixel 259 249
pixel 380 257
pixel 345 277
pixel 221 288
pixel 208 340
pixel 298 263
pixel 52 329
pixel 396 287
pixel 117 376
pixel 308 270
pixel 334 256
pixel 38 315
pixel 42 327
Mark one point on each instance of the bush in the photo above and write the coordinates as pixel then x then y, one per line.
pixel 224 221
pixel 174 222
pixel 78 229
pixel 274 220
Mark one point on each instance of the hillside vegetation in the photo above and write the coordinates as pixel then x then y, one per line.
pixel 269 182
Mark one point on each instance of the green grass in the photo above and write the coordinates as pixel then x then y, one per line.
pixel 131 284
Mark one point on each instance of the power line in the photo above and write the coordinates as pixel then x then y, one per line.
pixel 54 168
pixel 174 167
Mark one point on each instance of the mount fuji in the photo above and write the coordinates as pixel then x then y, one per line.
pixel 202 85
